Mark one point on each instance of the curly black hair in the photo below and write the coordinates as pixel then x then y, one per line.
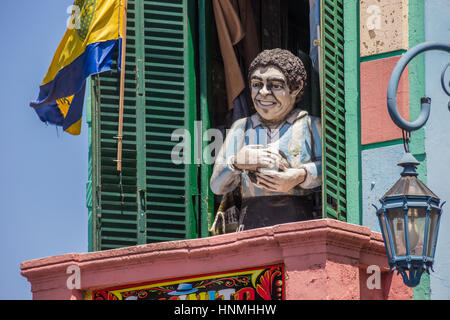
pixel 289 64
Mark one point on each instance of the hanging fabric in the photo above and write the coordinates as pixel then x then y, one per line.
pixel 237 35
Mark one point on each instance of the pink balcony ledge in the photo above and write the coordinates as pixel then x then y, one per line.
pixel 321 259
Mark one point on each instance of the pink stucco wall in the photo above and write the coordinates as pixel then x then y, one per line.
pixel 323 259
pixel 376 124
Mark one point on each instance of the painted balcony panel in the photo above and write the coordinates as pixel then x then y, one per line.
pixel 376 124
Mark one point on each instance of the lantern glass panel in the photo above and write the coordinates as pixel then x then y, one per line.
pixel 416 230
pixel 397 225
pixel 385 233
pixel 432 228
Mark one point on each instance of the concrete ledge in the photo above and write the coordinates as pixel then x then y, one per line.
pixel 323 259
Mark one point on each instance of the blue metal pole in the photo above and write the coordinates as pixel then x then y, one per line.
pixel 393 85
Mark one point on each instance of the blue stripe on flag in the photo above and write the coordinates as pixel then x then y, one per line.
pixel 97 57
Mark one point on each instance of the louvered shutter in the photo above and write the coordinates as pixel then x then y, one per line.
pixel 89 200
pixel 152 199
pixel 170 104
pixel 333 110
pixel 115 197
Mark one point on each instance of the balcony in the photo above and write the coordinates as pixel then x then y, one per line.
pixel 318 259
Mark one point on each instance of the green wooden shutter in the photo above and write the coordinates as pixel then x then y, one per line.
pixel 205 87
pixel 170 104
pixel 115 196
pixel 89 200
pixel 153 199
pixel 333 110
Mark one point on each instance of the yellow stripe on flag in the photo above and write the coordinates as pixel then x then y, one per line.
pixel 64 105
pixel 93 21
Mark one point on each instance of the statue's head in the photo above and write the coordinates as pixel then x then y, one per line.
pixel 277 81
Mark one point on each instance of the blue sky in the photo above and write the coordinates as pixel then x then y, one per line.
pixel 43 172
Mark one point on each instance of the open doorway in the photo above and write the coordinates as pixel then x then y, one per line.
pixel 269 24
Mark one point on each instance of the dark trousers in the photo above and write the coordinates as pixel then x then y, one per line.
pixel 259 212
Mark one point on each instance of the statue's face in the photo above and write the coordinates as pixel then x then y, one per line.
pixel 271 95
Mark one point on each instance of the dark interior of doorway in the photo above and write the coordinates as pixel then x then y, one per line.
pixel 279 24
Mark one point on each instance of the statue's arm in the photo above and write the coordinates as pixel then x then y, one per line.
pixel 226 177
pixel 314 168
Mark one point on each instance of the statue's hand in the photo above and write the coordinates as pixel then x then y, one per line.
pixel 252 157
pixel 280 181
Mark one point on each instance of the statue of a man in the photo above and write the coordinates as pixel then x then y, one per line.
pixel 274 156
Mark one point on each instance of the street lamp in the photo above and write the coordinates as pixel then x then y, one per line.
pixel 409 220
pixel 410 213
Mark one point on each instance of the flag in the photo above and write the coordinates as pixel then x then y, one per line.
pixel 88 46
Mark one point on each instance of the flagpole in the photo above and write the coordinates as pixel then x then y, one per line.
pixel 122 85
